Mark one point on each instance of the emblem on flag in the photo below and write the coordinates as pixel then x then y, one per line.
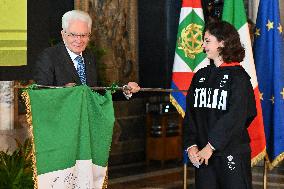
pixel 190 40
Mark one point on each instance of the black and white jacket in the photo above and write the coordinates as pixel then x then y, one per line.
pixel 220 107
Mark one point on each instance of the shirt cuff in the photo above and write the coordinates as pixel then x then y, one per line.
pixel 127 96
pixel 191 146
pixel 211 146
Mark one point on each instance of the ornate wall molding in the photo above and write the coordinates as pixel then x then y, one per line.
pixel 82 5
pixel 6 105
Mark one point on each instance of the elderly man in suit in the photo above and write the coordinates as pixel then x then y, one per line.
pixel 70 63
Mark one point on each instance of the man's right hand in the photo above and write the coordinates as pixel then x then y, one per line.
pixel 70 84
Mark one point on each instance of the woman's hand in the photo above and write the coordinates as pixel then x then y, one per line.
pixel 205 154
pixel 193 155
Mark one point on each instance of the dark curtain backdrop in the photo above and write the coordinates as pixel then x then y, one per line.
pixel 158 24
pixel 44 24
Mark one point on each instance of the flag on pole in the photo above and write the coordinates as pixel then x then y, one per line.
pixel 185 157
pixel 234 13
pixel 72 133
pixel 189 56
pixel 269 58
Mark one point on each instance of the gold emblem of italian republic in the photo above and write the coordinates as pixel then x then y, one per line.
pixel 190 40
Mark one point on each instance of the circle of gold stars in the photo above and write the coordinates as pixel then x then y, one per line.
pixel 269 26
pixel 272 99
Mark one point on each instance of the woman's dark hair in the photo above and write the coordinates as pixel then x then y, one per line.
pixel 233 51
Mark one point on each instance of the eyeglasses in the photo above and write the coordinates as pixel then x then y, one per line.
pixel 75 35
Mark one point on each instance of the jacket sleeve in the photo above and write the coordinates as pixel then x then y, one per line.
pixel 240 112
pixel 43 72
pixel 189 125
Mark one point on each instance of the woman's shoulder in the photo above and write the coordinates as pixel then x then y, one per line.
pixel 240 77
pixel 204 70
pixel 239 71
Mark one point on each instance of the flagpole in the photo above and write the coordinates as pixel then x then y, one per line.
pixel 107 88
pixel 184 176
pixel 265 174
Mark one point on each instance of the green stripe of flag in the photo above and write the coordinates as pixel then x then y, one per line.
pixel 70 124
pixel 234 13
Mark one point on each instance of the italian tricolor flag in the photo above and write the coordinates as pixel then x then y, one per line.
pixel 234 13
pixel 189 56
pixel 72 133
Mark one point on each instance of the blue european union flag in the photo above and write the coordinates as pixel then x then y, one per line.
pixel 185 157
pixel 269 59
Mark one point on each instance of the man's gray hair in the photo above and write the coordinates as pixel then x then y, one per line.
pixel 76 15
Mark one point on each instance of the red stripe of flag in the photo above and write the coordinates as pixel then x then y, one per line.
pixel 191 3
pixel 255 129
pixel 182 80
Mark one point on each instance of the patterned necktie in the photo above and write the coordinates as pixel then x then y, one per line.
pixel 81 69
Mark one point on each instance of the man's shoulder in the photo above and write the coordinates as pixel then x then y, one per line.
pixel 54 49
pixel 88 52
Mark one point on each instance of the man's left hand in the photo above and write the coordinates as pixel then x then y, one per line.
pixel 205 154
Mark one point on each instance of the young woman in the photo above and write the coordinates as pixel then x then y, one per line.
pixel 220 107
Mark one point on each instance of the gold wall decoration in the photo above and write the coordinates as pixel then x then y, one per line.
pixel 115 30
pixel 82 5
pixel 13 33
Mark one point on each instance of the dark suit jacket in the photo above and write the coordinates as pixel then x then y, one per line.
pixel 55 67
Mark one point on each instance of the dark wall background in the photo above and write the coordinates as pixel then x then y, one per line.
pixel 44 24
pixel 158 24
